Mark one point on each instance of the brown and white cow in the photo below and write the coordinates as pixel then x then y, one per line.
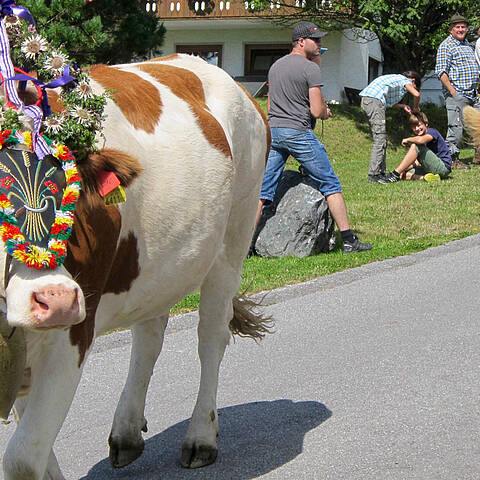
pixel 190 146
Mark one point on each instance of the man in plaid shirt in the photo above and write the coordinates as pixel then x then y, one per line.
pixel 386 91
pixel 459 73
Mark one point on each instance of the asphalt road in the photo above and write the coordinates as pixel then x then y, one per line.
pixel 373 373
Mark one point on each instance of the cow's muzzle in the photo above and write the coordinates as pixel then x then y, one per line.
pixel 55 306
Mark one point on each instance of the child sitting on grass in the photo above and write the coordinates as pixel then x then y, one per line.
pixel 428 154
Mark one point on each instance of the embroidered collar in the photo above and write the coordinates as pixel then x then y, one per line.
pixel 15 242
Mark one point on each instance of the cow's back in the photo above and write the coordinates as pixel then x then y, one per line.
pixel 202 144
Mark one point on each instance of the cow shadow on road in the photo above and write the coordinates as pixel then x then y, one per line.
pixel 255 438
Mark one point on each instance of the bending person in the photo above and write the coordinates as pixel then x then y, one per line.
pixel 386 91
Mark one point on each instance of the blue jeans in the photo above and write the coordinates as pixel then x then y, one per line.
pixel 305 147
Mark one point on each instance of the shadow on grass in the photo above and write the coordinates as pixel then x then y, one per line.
pixel 255 438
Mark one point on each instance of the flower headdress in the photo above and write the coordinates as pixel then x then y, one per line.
pixel 32 52
pixel 77 127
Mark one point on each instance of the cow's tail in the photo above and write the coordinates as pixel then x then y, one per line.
pixel 247 321
pixel 472 122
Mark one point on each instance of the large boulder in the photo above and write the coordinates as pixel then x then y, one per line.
pixel 297 222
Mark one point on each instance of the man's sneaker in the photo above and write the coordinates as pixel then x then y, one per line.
pixel 355 246
pixel 380 178
pixel 432 177
pixel 391 178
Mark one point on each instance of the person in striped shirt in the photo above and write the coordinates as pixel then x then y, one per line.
pixel 386 91
pixel 459 72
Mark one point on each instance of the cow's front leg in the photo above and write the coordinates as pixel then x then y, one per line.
pixel 53 471
pixel 200 445
pixel 126 441
pixel 55 376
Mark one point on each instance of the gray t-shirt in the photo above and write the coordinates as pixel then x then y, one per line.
pixel 290 78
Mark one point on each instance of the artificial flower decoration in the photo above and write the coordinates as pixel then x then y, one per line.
pixel 82 115
pixel 53 123
pixel 12 21
pixel 84 90
pixel 33 45
pixel 56 62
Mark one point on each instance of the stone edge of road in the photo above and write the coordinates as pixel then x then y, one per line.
pixel 189 320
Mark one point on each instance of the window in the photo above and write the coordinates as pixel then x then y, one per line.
pixel 150 6
pixel 259 58
pixel 373 67
pixel 211 53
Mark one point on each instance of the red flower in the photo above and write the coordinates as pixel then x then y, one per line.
pixel 51 186
pixel 7 182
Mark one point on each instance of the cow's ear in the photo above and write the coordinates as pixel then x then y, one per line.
pixel 126 167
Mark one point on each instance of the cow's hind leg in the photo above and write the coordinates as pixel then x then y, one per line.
pixel 200 447
pixel 126 441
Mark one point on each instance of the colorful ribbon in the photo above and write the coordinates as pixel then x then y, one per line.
pixel 6 68
pixel 6 7
pixel 65 79
pixel 24 13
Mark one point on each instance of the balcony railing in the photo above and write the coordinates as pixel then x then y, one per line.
pixel 217 9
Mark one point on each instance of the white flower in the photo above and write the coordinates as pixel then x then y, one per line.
pixel 84 90
pixel 11 21
pixel 56 62
pixel 82 115
pixel 53 123
pixel 33 45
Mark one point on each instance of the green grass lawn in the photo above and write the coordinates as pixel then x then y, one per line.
pixel 397 219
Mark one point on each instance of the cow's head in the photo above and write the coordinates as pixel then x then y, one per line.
pixel 41 299
pixel 36 214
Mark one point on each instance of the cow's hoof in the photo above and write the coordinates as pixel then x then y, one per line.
pixel 124 452
pixel 197 455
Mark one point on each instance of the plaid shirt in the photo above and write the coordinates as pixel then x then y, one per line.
pixel 457 60
pixel 390 89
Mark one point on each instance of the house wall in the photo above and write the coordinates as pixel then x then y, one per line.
pixel 345 63
pixel 431 90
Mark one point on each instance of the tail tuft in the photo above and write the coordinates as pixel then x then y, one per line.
pixel 247 322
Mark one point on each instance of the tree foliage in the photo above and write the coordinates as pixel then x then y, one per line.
pixel 409 31
pixel 98 31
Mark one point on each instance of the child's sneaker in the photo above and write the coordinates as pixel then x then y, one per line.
pixel 432 177
pixel 392 178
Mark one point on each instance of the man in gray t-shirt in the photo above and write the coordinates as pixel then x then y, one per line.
pixel 290 79
pixel 295 101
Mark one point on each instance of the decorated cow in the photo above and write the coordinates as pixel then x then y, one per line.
pixel 164 207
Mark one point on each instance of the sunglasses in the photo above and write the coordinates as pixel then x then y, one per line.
pixel 318 40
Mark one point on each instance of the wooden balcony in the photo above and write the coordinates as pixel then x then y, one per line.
pixel 216 9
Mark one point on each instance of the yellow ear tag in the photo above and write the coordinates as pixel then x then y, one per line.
pixel 117 195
